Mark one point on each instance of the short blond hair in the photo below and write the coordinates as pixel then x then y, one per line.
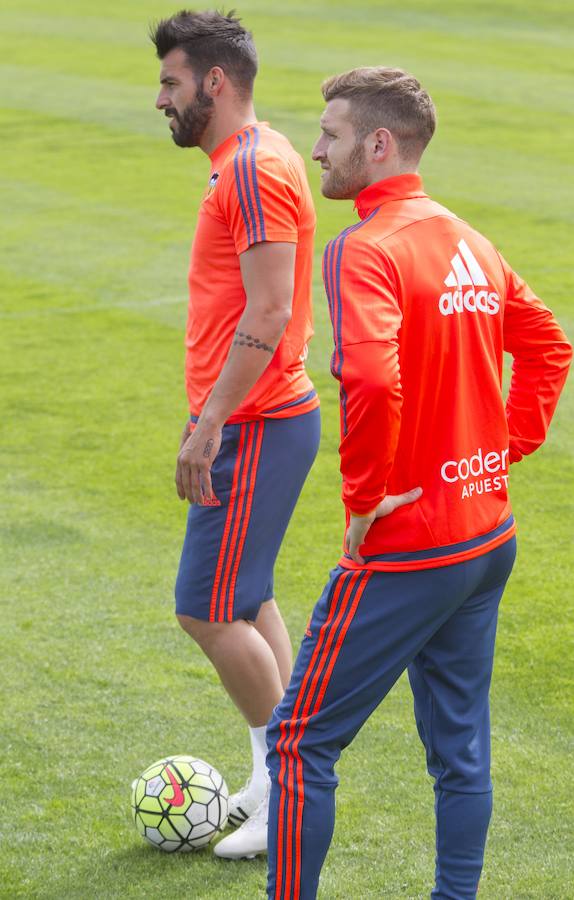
pixel 383 97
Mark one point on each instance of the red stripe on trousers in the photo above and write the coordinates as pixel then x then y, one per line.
pixel 318 704
pixel 285 739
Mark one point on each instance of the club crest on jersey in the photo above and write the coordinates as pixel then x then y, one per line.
pixel 466 275
pixel 212 182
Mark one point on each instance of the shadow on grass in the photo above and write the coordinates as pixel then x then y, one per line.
pixel 144 872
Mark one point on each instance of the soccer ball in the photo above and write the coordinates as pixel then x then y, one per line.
pixel 179 803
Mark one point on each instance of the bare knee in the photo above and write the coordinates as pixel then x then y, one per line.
pixel 206 634
pixel 195 628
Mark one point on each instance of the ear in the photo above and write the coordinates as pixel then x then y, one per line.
pixel 382 144
pixel 213 82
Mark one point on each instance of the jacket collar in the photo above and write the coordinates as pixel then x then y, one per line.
pixel 399 187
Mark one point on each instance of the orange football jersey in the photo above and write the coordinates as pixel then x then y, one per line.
pixel 257 191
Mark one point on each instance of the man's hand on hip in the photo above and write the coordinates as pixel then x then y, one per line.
pixel 196 455
pixel 359 525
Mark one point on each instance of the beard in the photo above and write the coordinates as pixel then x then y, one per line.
pixel 347 179
pixel 191 124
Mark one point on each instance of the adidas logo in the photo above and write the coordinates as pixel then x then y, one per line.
pixel 465 276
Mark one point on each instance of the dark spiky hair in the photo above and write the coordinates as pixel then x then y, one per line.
pixel 210 39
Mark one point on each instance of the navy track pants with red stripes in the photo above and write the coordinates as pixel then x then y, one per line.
pixel 366 629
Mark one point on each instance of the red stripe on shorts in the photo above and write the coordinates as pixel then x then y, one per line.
pixel 252 477
pixel 213 610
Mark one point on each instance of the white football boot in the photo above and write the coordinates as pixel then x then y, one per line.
pixel 250 839
pixel 244 803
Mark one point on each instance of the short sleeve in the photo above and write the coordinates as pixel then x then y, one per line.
pixel 261 199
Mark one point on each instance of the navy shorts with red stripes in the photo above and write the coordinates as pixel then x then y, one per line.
pixel 230 548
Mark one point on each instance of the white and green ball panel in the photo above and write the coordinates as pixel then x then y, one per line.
pixel 190 825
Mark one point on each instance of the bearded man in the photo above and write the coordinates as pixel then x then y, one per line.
pixel 254 420
pixel 423 307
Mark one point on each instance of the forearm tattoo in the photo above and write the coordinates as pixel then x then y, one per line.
pixel 247 340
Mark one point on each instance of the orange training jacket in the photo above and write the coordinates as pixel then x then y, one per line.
pixel 423 307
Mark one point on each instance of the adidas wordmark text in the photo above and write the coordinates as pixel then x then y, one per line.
pixel 465 275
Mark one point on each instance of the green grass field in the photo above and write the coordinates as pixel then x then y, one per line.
pixel 97 215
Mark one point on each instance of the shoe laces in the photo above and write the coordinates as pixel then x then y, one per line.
pixel 258 819
pixel 241 793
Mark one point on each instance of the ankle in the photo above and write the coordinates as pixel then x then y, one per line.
pixel 259 775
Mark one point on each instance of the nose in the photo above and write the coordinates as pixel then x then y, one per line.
pixel 162 100
pixel 318 151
